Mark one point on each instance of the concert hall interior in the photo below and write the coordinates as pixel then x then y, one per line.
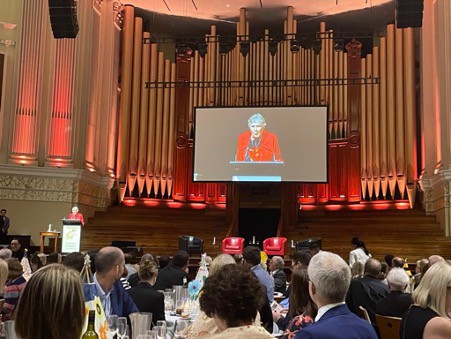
pixel 98 110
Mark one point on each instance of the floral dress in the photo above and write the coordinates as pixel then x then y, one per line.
pixel 296 324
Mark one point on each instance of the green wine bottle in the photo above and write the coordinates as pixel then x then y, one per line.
pixel 91 332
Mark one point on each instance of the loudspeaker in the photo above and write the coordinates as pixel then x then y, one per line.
pixel 409 13
pixel 63 18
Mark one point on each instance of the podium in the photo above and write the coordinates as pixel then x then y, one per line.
pixel 71 235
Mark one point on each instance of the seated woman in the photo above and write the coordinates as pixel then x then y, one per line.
pixel 13 288
pixel 232 297
pixel 428 317
pixel 302 309
pixel 145 297
pixel 52 305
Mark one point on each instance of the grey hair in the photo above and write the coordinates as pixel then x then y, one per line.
pixel 397 279
pixel 220 261
pixel 330 275
pixel 256 118
pixel 5 253
pixel 279 262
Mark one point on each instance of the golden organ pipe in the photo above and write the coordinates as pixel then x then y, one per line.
pixel 383 115
pixel 400 159
pixel 151 129
pixel 369 124
pixel 376 120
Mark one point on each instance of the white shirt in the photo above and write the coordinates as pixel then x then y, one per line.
pixel 358 255
pixel 326 308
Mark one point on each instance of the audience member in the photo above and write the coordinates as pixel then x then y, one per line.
pixel 13 288
pixel 367 291
pixel 75 260
pixel 276 265
pixel 251 255
pixel 433 259
pixel 388 259
pixel 301 259
pixel 357 269
pixel 36 261
pixel 109 264
pixel 92 257
pixel 51 306
pixel 5 253
pixel 420 270
pixel 397 302
pixel 3 276
pixel 163 261
pixel 129 265
pixel 204 325
pixel 428 317
pixel 234 316
pixel 397 262
pixel 175 273
pixel 238 258
pixel 302 309
pixel 146 298
pixel 134 279
pixel 384 272
pixel 330 277
pixel 359 253
pixel 53 258
pixel 17 249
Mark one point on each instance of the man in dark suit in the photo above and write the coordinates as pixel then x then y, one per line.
pixel 176 273
pixel 330 277
pixel 367 291
pixel 276 265
pixel 4 224
pixel 397 302
pixel 110 263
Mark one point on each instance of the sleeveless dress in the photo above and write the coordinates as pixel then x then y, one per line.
pixel 414 321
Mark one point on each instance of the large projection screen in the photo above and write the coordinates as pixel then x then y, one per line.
pixel 291 147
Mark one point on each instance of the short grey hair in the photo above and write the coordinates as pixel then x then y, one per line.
pixel 279 262
pixel 220 261
pixel 256 118
pixel 397 279
pixel 330 275
pixel 5 253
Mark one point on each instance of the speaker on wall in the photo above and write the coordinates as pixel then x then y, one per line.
pixel 63 18
pixel 409 13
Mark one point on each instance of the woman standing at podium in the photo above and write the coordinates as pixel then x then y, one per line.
pixel 76 216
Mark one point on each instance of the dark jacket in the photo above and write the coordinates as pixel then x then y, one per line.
pixel 169 276
pixel 395 305
pixel 147 299
pixel 280 281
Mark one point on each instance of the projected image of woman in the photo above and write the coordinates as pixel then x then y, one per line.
pixel 258 144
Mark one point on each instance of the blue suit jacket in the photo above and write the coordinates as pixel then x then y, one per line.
pixel 121 302
pixel 338 323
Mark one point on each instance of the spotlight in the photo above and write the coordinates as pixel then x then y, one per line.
pixel 294 46
pixel 339 45
pixel 317 46
pixel 272 47
pixel 202 48
pixel 245 48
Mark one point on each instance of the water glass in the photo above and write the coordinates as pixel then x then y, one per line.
pixel 168 301
pixel 161 323
pixel 121 327
pixel 161 331
pixel 181 329
pixel 112 323
pixel 179 306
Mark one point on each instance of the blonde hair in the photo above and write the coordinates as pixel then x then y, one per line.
pixel 357 269
pixel 148 269
pixel 3 274
pixel 220 261
pixel 431 292
pixel 52 305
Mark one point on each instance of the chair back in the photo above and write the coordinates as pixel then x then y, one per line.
pixel 274 246
pixel 365 313
pixel 233 245
pixel 388 326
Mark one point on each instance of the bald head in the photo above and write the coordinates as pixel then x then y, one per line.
pixel 433 259
pixel 107 258
pixel 372 268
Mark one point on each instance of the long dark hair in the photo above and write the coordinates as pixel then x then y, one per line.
pixel 359 244
pixel 300 300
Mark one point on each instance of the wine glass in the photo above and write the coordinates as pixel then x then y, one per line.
pixel 121 327
pixel 181 327
pixel 112 324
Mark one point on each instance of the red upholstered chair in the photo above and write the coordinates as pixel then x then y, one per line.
pixel 274 246
pixel 232 245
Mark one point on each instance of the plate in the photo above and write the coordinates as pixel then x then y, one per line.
pixel 278 295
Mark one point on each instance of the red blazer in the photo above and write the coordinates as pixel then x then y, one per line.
pixel 77 216
pixel 268 151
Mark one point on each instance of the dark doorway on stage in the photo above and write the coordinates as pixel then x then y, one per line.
pixel 260 223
